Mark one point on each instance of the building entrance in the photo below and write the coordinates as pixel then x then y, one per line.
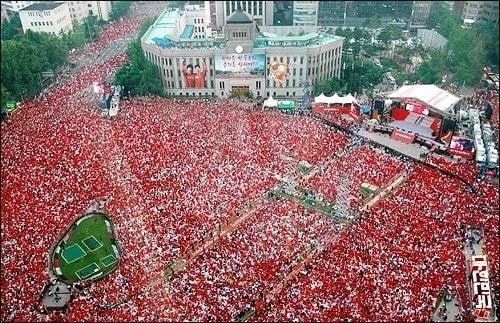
pixel 240 90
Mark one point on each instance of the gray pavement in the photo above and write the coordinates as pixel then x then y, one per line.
pixel 413 150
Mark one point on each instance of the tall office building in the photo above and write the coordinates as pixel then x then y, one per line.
pixel 332 13
pixel 260 11
pixel 305 13
pixel 480 10
pixel 420 13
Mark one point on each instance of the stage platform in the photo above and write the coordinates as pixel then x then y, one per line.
pixel 412 128
pixel 412 150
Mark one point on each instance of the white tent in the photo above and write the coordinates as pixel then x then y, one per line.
pixel 335 99
pixel 320 98
pixel 349 99
pixel 270 102
pixel 438 99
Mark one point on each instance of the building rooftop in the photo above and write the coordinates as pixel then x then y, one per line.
pixel 239 17
pixel 429 94
pixel 168 32
pixel 42 6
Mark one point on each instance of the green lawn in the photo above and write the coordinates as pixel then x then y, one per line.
pixel 91 236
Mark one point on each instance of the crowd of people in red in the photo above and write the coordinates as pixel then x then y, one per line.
pixel 126 27
pixel 362 164
pixel 391 264
pixel 170 172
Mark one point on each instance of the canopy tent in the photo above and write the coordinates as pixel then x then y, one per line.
pixel 335 99
pixel 286 105
pixel 437 99
pixel 320 98
pixel 270 102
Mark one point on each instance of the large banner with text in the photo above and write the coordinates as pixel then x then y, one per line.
pixel 240 65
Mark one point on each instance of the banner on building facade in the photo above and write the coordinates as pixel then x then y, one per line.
pixel 278 72
pixel 240 65
pixel 193 75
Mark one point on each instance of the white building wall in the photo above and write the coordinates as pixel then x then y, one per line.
pixel 81 9
pixel 51 21
pixel 17 5
pixel 431 38
pixel 314 64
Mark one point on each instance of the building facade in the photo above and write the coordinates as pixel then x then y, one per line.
pixel 261 11
pixel 17 5
pixel 80 9
pixel 52 18
pixel 243 58
pixel 420 13
pixel 480 10
pixel 305 13
pixel 332 13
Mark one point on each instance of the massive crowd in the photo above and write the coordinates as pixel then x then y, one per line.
pixel 392 264
pixel 171 172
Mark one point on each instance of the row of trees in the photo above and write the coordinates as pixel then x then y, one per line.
pixel 22 65
pixel 138 75
pixel 355 76
pixel 467 52
pixel 119 8
pixel 26 56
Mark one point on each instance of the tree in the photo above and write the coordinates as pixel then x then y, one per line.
pixel 488 32
pixel 22 62
pixel 328 87
pixel 5 96
pixel 91 27
pixel 390 33
pixel 21 66
pixel 432 69
pixel 442 20
pixel 53 47
pixel 119 8
pixel 10 28
pixel 138 74
pixel 372 22
pixel 75 38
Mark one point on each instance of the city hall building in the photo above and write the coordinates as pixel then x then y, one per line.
pixel 196 59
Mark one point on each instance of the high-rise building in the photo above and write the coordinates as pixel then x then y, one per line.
pixel 449 5
pixel 260 11
pixel 332 13
pixel 480 10
pixel 420 13
pixel 305 13
pixel 458 8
